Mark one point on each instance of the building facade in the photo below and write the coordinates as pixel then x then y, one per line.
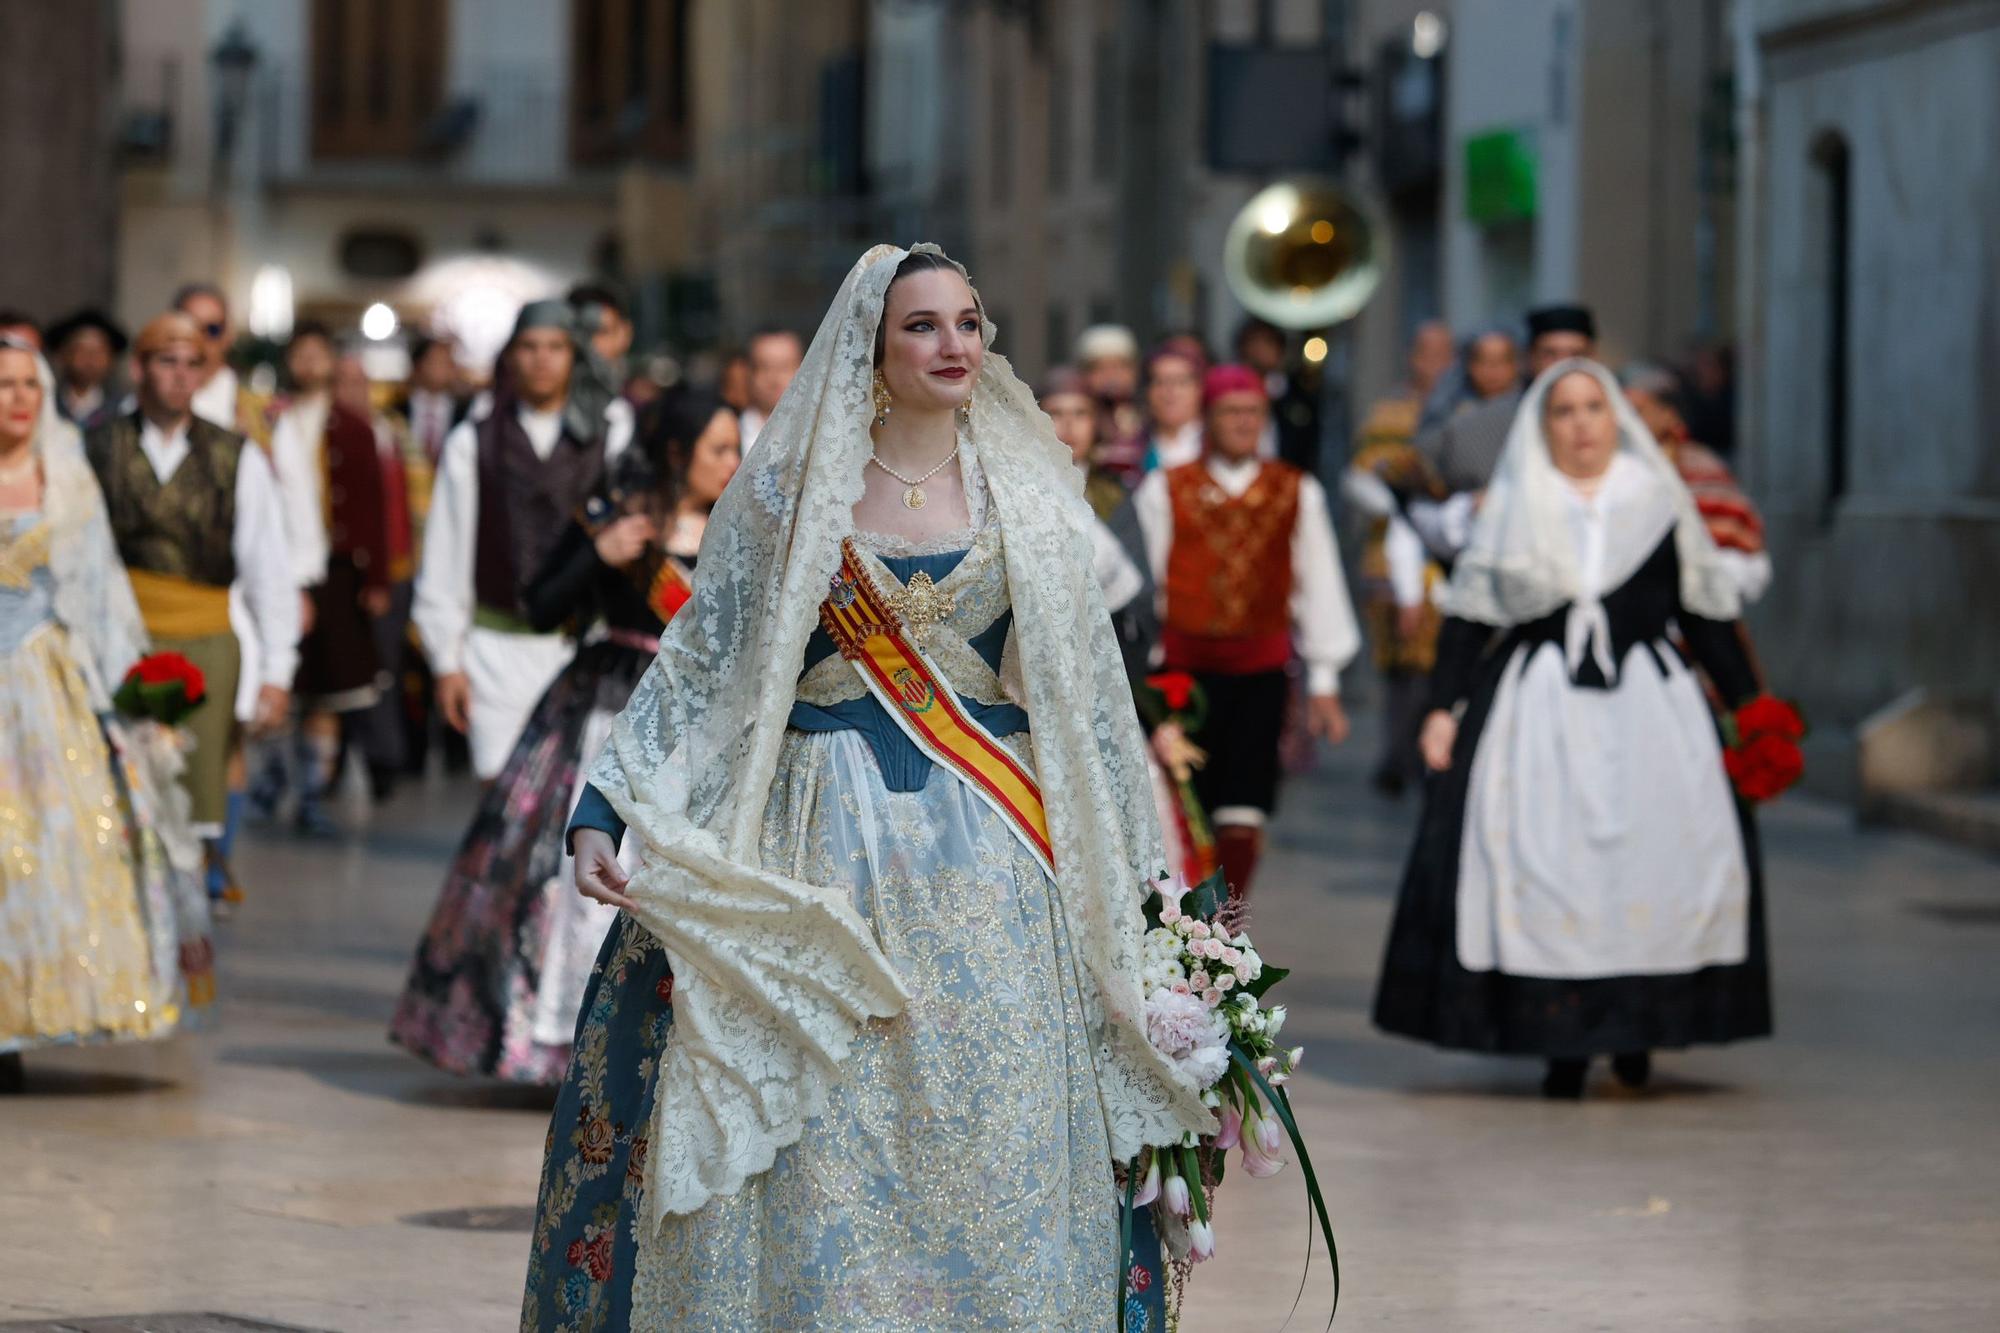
pixel 1870 314
pixel 314 157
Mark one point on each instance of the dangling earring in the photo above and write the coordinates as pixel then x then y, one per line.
pixel 965 408
pixel 883 400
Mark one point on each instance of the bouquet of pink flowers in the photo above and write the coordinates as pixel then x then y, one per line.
pixel 1205 985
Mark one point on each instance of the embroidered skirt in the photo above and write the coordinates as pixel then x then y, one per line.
pixel 960 1177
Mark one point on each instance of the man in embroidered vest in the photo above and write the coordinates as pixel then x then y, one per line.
pixel 506 484
pixel 1242 551
pixel 194 509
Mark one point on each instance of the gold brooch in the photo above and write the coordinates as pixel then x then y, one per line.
pixel 921 603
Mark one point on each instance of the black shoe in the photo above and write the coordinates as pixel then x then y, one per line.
pixel 1633 1070
pixel 1564 1081
pixel 13 1076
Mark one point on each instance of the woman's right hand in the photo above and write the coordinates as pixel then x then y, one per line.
pixel 620 543
pixel 599 877
pixel 1437 740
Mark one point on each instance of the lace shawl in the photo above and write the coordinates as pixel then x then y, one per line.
pixel 93 598
pixel 776 976
pixel 1521 562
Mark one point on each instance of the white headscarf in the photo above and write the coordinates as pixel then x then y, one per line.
pixel 1522 561
pixel 93 598
pixel 774 977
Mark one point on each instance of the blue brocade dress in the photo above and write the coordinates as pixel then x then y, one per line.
pixel 960 1177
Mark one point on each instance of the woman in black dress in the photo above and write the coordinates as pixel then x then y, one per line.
pixel 502 968
pixel 1584 881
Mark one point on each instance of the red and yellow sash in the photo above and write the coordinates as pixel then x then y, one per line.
pixel 866 627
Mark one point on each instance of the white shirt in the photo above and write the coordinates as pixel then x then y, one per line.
pixel 1402 547
pixel 216 400
pixel 1445 525
pixel 445 596
pixel 430 420
pixel 750 422
pixel 298 444
pixel 263 558
pixel 1323 623
pixel 1178 448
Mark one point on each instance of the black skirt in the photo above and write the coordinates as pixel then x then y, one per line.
pixel 338 662
pixel 1424 993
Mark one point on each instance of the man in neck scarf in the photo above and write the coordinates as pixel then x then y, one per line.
pixel 1242 550
pixel 505 486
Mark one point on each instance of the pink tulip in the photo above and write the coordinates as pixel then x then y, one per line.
pixel 1270 1134
pixel 1174 1193
pixel 1260 1160
pixel 1201 1241
pixel 1149 1187
pixel 1232 1128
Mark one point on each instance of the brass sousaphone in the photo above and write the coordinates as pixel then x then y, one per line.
pixel 1304 254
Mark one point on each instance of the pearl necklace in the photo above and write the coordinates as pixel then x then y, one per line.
pixel 913 494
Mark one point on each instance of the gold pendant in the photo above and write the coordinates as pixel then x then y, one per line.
pixel 913 498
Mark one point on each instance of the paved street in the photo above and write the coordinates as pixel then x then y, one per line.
pixel 291 1166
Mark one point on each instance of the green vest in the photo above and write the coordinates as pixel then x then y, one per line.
pixel 186 527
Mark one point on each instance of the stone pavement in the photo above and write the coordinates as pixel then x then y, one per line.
pixel 290 1167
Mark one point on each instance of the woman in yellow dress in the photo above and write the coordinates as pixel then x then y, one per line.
pixel 100 909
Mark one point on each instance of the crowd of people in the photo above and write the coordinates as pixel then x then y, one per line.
pixel 373 577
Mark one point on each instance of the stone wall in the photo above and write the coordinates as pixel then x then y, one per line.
pixel 57 210
pixel 1888 585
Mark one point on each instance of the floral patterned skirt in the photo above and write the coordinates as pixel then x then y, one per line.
pixel 499 973
pixel 960 1176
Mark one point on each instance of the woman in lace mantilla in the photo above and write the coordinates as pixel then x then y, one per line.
pixel 853 1056
pixel 102 912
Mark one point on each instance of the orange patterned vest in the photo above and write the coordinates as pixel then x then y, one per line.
pixel 1229 573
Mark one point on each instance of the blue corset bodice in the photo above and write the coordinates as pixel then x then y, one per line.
pixel 904 767
pixel 28 603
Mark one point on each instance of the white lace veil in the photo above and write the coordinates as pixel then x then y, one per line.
pixel 773 976
pixel 93 598
pixel 1521 562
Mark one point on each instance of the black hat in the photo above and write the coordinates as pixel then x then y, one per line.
pixel 1562 319
pixel 91 318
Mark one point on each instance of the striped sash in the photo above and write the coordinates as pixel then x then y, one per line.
pixel 872 630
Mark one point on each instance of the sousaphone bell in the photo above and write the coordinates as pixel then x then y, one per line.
pixel 1304 254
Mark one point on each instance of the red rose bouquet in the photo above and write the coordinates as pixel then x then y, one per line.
pixel 161 687
pixel 1762 757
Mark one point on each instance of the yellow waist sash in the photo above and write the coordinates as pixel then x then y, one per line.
pixel 866 627
pixel 178 608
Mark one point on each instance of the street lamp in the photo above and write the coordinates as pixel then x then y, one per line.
pixel 234 60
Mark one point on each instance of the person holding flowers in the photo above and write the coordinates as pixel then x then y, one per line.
pixel 103 917
pixel 1585 882
pixel 869 1040
pixel 1242 551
